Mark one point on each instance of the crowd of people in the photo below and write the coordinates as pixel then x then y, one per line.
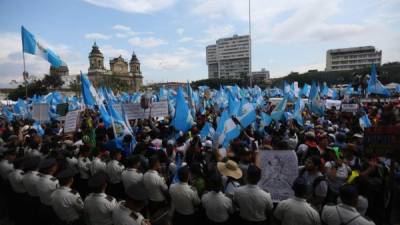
pixel 160 176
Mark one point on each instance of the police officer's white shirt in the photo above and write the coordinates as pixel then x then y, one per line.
pixel 253 202
pixel 184 198
pixel 67 204
pixel 45 187
pixel 97 165
pixel 84 167
pixel 5 168
pixel 15 179
pixel 155 185
pixel 72 162
pixel 124 216
pixel 330 215
pixel 230 187
pixel 30 180
pixel 114 170
pixel 296 211
pixel 218 207
pixel 131 176
pixel 99 208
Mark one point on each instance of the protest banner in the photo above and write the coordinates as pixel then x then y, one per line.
pixel 40 112
pixel 135 111
pixel 353 108
pixel 329 103
pixel 279 169
pixel 382 141
pixel 71 121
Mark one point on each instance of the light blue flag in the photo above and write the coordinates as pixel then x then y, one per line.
pixel 233 105
pixel 365 122
pixel 119 123
pixel 38 128
pixel 247 114
pixel 88 99
pixel 31 46
pixel 265 119
pixel 9 115
pixel 178 163
pixel 375 86
pixel 183 119
pixel 227 129
pixel 20 108
pixel 207 131
pixel 398 88
pixel 313 91
pixel 298 108
pixel 277 113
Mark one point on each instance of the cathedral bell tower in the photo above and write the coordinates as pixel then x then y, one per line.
pixel 136 73
pixel 96 60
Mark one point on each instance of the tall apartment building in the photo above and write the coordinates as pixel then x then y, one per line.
pixel 352 58
pixel 229 58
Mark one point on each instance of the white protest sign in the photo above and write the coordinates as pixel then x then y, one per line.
pixel 329 103
pixel 40 112
pixel 279 169
pixel 350 108
pixel 135 111
pixel 71 121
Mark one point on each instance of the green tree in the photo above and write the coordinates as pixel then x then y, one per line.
pixel 76 86
pixel 34 87
pixel 53 81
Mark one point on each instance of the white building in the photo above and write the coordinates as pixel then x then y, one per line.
pixel 352 58
pixel 260 76
pixel 229 58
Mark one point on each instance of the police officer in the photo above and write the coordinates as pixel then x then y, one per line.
pixel 84 170
pixel 30 180
pixel 6 166
pixel 131 175
pixel 67 203
pixel 98 205
pixel 114 170
pixel 97 164
pixel 346 212
pixel 128 212
pixel 47 183
pixel 18 189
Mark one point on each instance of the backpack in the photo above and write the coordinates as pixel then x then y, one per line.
pixel 348 222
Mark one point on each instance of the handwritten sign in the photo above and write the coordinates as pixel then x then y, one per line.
pixel 135 111
pixel 382 141
pixel 40 112
pixel 350 108
pixel 329 103
pixel 71 121
pixel 279 169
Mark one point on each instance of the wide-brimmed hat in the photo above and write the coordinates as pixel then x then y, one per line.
pixel 229 169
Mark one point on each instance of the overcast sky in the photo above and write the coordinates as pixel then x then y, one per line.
pixel 170 36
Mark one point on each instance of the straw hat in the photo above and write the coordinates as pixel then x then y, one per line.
pixel 230 169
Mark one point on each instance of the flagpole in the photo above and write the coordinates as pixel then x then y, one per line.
pixel 251 77
pixel 25 75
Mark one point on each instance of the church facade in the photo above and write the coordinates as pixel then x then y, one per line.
pixel 119 68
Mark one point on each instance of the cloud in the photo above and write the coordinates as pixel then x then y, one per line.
pixel 134 6
pixel 185 39
pixel 97 36
pixel 180 31
pixel 147 42
pixel 180 60
pixel 214 32
pixel 121 27
pixel 111 52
